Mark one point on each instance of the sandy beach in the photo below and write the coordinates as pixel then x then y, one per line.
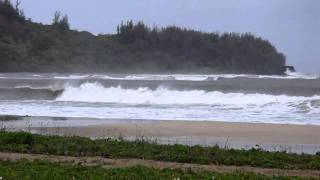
pixel 295 138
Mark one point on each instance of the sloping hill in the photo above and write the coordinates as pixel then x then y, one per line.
pixel 135 48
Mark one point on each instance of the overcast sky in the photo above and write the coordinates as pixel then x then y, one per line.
pixel 293 26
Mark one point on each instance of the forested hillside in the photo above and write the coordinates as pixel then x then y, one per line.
pixel 135 48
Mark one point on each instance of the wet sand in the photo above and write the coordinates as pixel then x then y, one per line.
pixel 293 138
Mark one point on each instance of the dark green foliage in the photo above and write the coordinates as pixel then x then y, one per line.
pixel 136 48
pixel 61 22
pixel 80 146
pixel 10 12
pixel 240 53
pixel 46 170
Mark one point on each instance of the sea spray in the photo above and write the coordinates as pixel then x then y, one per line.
pixel 95 92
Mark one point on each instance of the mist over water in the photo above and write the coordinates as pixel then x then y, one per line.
pixel 290 99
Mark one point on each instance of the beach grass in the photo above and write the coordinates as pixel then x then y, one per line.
pixel 24 142
pixel 49 170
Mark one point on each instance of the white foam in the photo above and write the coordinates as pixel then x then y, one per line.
pixel 207 77
pixel 275 112
pixel 72 77
pixel 36 75
pixel 298 75
pixel 160 77
pixel 95 92
pixel 52 87
pixel 92 100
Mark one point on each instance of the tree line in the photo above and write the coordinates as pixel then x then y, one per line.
pixel 135 48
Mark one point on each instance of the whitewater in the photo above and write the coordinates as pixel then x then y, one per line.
pixel 95 98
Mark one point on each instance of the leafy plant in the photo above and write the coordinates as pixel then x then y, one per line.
pixel 47 170
pixel 113 148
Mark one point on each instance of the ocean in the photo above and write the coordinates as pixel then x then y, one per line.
pixel 84 99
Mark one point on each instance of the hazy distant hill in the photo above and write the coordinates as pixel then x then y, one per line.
pixel 136 48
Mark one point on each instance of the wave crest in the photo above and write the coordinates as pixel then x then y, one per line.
pixel 95 92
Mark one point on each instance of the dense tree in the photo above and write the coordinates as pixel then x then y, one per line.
pixel 234 52
pixel 11 12
pixel 28 46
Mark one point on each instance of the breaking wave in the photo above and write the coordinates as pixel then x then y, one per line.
pixel 95 92
pixel 164 102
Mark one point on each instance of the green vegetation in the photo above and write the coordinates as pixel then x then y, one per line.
pixel 79 146
pixel 61 22
pixel 135 48
pixel 46 170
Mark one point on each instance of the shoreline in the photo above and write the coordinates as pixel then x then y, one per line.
pixel 19 120
pixel 271 137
